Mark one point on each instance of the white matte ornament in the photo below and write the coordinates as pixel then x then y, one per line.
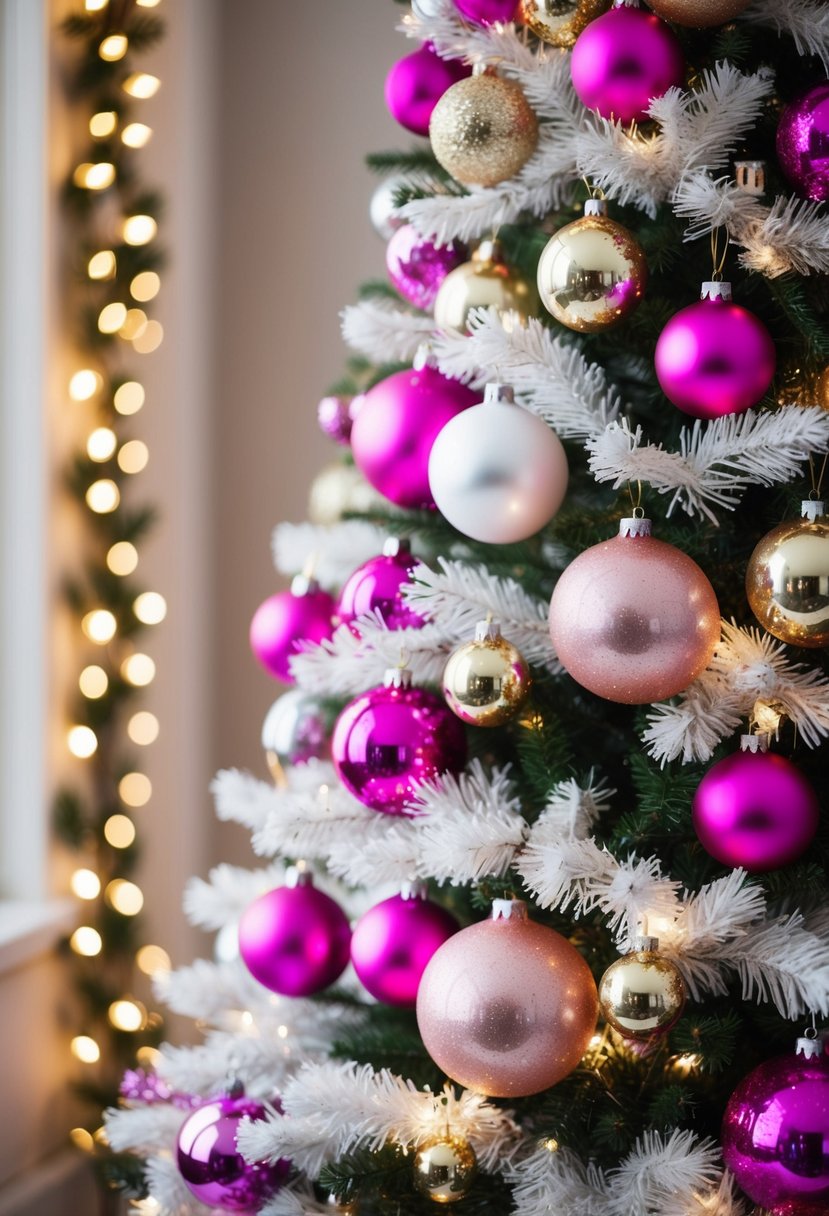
pixel 497 472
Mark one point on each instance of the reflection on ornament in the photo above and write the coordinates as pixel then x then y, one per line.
pixel 592 273
pixel 803 143
pixel 483 130
pixel 376 587
pixel 642 995
pixel 486 281
pixel 559 22
pixel 698 13
pixel 211 1165
pixel 787 580
pixel 444 1168
pixel 486 681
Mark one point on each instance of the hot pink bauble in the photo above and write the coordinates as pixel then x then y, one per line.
pixel 393 942
pixel 757 811
pixel 377 587
pixel 211 1165
pixel 285 621
pixel 390 739
pixel 295 939
pixel 416 84
pixel 624 59
pixel 507 1007
pixel 486 12
pixel 634 619
pixel 714 357
pixel 803 143
pixel 417 267
pixel 395 427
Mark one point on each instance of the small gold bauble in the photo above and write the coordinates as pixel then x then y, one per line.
pixel 339 488
pixel 592 273
pixel 643 994
pixel 698 13
pixel 487 680
pixel 823 390
pixel 559 22
pixel 787 580
pixel 444 1168
pixel 485 282
pixel 483 130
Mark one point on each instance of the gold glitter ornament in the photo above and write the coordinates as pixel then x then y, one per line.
pixel 559 22
pixel 444 1168
pixel 486 681
pixel 642 995
pixel 485 282
pixel 787 579
pixel 698 13
pixel 483 130
pixel 592 273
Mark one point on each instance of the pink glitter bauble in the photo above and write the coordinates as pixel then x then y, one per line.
pixel 334 418
pixel 416 84
pixel 377 587
pixel 486 12
pixel 624 59
pixel 507 1007
pixel 390 739
pixel 715 358
pixel 755 810
pixel 397 423
pixel 775 1134
pixel 417 266
pixel 285 621
pixel 634 619
pixel 211 1165
pixel 295 939
pixel 393 942
pixel 803 143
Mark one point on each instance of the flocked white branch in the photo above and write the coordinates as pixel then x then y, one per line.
pixel 806 21
pixel 383 329
pixel 222 899
pixel 336 550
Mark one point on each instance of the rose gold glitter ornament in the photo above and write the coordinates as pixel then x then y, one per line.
pixel 507 1007
pixel 698 12
pixel 634 619
pixel 483 130
pixel 486 681
pixel 642 995
pixel 559 22
pixel 486 281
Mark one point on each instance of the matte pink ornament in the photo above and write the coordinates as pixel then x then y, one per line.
pixel 416 83
pixel 393 942
pixel 755 809
pixel 715 358
pixel 634 619
pixel 390 739
pixel 211 1165
pixel 507 1007
pixel 486 12
pixel 624 59
pixel 396 424
pixel 288 619
pixel 377 587
pixel 417 266
pixel 803 143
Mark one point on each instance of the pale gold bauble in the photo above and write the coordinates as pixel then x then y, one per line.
pixel 483 130
pixel 787 580
pixel 337 489
pixel 698 13
pixel 643 994
pixel 592 273
pixel 823 390
pixel 485 282
pixel 559 22
pixel 486 681
pixel 444 1168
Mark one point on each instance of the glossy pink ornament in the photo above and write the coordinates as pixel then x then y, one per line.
pixel 211 1165
pixel 624 59
pixel 416 83
pixel 755 809
pixel 377 587
pixel 288 619
pixel 417 267
pixel 295 939
pixel 390 739
pixel 486 12
pixel 393 942
pixel 715 358
pixel 634 619
pixel 775 1134
pixel 803 143
pixel 395 426
pixel 507 1007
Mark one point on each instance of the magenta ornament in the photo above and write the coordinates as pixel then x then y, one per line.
pixel 211 1165
pixel 286 621
pixel 395 427
pixel 755 810
pixel 623 60
pixel 390 739
pixel 487 12
pixel 334 418
pixel 715 358
pixel 295 939
pixel 775 1134
pixel 803 143
pixel 417 267
pixel 393 942
pixel 416 83
pixel 377 587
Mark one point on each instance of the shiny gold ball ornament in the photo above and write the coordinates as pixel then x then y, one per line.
pixel 486 681
pixel 787 580
pixel 485 282
pixel 642 995
pixel 559 22
pixel 444 1168
pixel 483 130
pixel 593 272
pixel 698 13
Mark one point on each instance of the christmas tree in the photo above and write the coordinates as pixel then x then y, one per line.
pixel 551 776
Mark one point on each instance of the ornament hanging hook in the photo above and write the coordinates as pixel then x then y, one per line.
pixel 817 482
pixel 718 258
pixel 403 660
pixel 636 500
pixel 593 191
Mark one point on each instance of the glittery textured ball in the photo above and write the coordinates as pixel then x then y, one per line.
pixel 211 1165
pixel 559 22
pixel 284 622
pixel 485 281
pixel 698 13
pixel 507 1007
pixel 334 418
pixel 445 1168
pixel 803 143
pixel 295 939
pixel 416 83
pixel 486 680
pixel 787 582
pixel 483 130
pixel 642 995
pixel 417 267
pixel 377 587
pixel 393 942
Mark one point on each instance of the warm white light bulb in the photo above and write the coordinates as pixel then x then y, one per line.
pixel 145 286
pixel 135 789
pixel 119 831
pixel 85 884
pixel 136 134
pixel 85 1049
pixel 101 444
pixel 122 558
pixel 102 265
pixel 112 317
pixel 129 397
pixel 152 960
pixel 141 85
pixel 143 728
pixel 86 941
pixel 99 626
pixel 103 496
pixel 125 897
pixel 138 669
pixel 139 229
pixel 113 47
pixel 84 384
pixel 150 607
pixel 82 741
